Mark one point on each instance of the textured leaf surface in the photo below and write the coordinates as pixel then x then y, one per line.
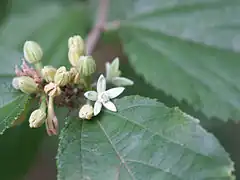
pixel 145 140
pixel 189 48
pixel 12 103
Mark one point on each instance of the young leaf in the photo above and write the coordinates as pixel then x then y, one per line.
pixel 189 48
pixel 12 103
pixel 11 110
pixel 144 140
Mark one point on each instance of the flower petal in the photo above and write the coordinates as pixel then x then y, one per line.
pixel 114 92
pixel 115 65
pixel 101 84
pixel 97 108
pixel 110 106
pixel 91 95
pixel 122 81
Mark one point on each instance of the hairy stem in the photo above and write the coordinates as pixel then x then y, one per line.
pixel 43 105
pixel 38 67
pixel 95 33
pixel 51 121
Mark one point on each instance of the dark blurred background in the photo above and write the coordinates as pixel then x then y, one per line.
pixel 29 153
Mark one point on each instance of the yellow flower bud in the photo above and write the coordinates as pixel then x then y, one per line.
pixel 48 73
pixel 15 83
pixel 76 49
pixel 37 118
pixel 25 84
pixel 76 43
pixel 75 76
pixel 52 89
pixel 62 76
pixel 73 57
pixel 32 52
pixel 86 65
pixel 86 112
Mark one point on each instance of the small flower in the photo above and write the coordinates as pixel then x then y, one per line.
pixel 52 89
pixel 48 73
pixel 32 52
pixel 37 118
pixel 102 97
pixel 62 76
pixel 86 112
pixel 25 84
pixel 86 65
pixel 113 74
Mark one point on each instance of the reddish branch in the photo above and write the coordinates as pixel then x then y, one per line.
pixel 95 33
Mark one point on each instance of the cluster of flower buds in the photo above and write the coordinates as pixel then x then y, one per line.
pixel 48 83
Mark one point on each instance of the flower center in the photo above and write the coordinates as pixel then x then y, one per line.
pixel 103 97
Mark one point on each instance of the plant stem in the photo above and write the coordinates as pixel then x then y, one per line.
pixel 43 104
pixel 87 83
pixel 95 33
pixel 51 121
pixel 38 67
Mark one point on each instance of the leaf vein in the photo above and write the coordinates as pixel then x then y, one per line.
pixel 118 154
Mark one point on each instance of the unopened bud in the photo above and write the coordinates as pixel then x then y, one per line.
pixel 62 76
pixel 25 84
pixel 32 52
pixel 73 57
pixel 86 112
pixel 76 49
pixel 75 76
pixel 37 118
pixel 76 43
pixel 48 73
pixel 52 89
pixel 15 83
pixel 86 65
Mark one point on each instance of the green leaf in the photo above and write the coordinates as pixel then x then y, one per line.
pixel 11 111
pixel 18 149
pixel 142 88
pixel 12 103
pixel 143 140
pixel 4 5
pixel 189 48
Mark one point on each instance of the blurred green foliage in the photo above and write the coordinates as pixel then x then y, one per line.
pixel 56 22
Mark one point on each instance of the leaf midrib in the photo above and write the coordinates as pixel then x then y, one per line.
pixel 115 149
pixel 124 162
pixel 160 135
pixel 20 98
pixel 129 160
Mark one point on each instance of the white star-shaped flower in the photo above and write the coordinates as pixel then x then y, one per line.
pixel 103 96
pixel 113 74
